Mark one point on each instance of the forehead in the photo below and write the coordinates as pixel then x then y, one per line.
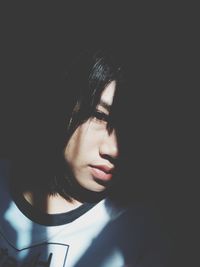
pixel 108 93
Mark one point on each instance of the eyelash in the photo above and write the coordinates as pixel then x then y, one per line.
pixel 101 116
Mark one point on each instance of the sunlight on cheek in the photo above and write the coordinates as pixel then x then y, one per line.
pixel 97 125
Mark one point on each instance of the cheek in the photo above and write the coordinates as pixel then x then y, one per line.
pixel 83 143
pixel 71 149
pixel 68 152
pixel 75 145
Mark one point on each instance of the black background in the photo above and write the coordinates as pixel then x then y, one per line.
pixel 38 41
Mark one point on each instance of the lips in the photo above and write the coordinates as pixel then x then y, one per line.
pixel 102 172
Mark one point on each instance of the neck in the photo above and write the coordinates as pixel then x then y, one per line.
pixel 51 204
pixel 69 189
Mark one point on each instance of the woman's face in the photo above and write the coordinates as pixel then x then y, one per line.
pixel 91 151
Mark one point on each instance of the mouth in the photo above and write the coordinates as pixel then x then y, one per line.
pixel 102 172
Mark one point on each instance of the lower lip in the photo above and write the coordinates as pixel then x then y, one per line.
pixel 99 174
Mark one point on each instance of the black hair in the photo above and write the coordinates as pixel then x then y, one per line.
pixel 89 74
pixel 86 78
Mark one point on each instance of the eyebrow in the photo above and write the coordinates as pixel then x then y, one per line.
pixel 105 105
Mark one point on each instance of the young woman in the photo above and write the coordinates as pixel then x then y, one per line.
pixel 72 215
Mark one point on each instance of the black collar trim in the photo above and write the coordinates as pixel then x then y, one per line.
pixel 50 219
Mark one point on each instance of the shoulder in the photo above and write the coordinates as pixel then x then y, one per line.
pixel 145 221
pixel 141 233
pixel 134 234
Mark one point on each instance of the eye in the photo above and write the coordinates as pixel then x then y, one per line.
pixel 101 116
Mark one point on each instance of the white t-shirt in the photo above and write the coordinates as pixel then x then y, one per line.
pixel 100 235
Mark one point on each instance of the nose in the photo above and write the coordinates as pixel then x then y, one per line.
pixel 109 146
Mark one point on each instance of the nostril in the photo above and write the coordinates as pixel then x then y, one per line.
pixel 111 159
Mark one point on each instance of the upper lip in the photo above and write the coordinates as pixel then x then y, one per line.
pixel 105 168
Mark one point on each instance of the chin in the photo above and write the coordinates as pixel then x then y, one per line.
pixel 94 187
pixel 99 188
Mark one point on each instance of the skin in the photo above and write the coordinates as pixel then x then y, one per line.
pixel 90 153
pixel 92 150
